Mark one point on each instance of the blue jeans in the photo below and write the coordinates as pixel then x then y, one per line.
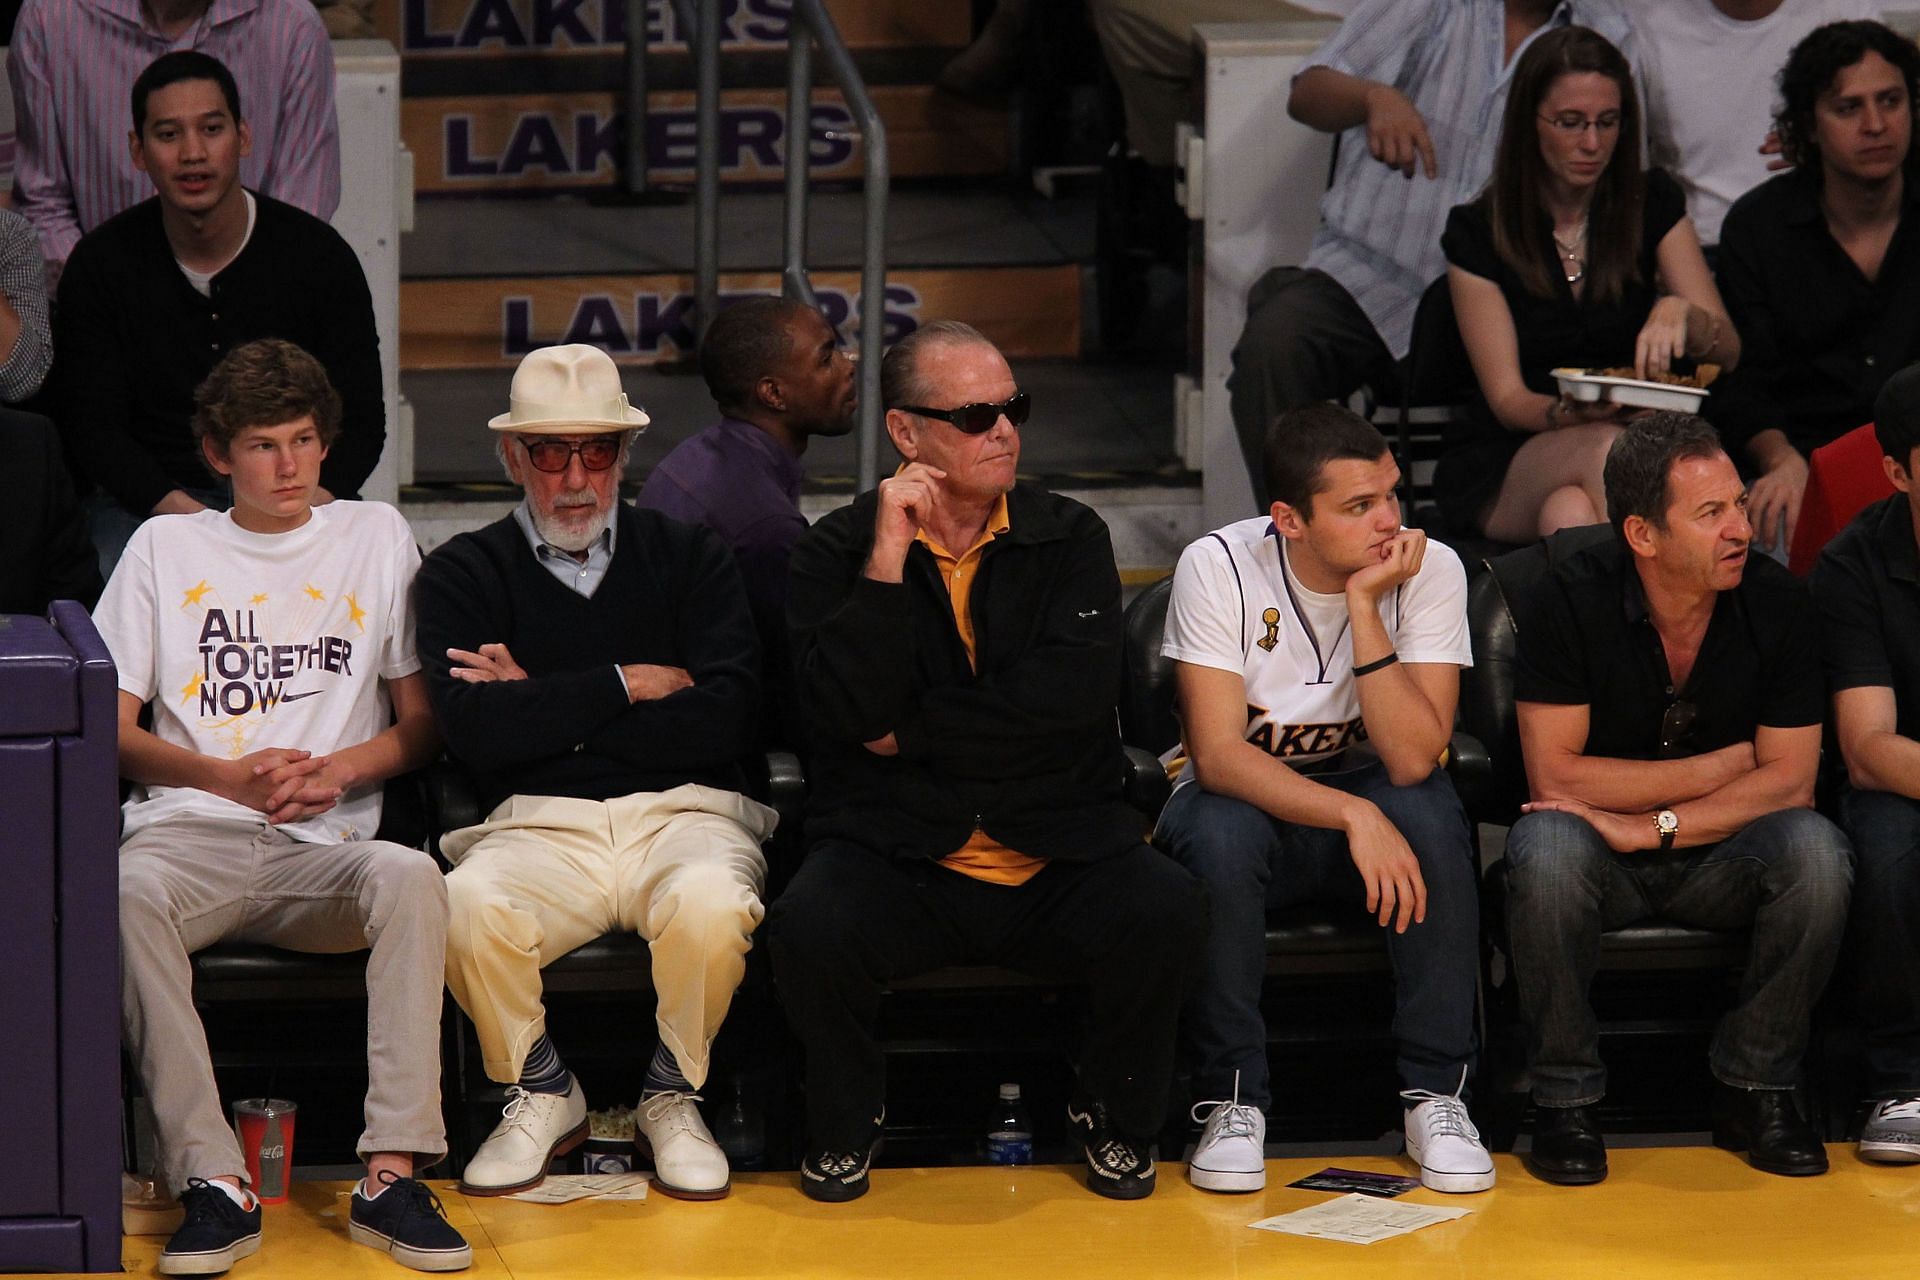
pixel 1885 929
pixel 1251 863
pixel 1785 876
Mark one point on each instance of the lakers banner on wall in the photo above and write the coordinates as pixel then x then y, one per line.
pixel 482 28
pixel 526 141
pixel 1030 312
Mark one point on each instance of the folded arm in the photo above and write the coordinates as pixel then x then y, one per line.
pixel 499 724
pixel 1553 741
pixel 1785 761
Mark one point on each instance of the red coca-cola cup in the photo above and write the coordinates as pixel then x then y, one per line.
pixel 265 1129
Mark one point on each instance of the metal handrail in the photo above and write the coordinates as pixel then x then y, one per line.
pixel 701 31
pixel 706 178
pixel 809 23
pixel 635 176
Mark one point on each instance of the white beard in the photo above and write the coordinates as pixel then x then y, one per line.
pixel 565 528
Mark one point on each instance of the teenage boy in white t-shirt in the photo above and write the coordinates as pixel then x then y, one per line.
pixel 273 644
pixel 1318 652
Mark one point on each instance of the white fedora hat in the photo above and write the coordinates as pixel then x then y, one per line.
pixel 568 390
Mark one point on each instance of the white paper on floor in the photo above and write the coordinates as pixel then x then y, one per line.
pixel 1358 1219
pixel 565 1188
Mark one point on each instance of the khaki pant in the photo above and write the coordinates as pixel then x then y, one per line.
pixel 1148 44
pixel 546 874
pixel 188 883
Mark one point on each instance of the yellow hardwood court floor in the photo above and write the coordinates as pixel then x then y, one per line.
pixel 1664 1212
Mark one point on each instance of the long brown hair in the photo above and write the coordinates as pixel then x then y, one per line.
pixel 1522 227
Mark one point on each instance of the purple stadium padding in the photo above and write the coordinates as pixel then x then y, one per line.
pixel 59 945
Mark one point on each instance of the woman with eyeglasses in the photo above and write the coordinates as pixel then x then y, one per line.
pixel 1574 255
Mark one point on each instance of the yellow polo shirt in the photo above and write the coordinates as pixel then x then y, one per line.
pixel 981 857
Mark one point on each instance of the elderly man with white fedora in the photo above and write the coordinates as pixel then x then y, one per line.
pixel 594 667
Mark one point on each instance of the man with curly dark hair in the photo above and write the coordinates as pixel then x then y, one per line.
pixel 1819 265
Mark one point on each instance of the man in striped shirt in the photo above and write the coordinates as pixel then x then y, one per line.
pixel 1416 93
pixel 73 63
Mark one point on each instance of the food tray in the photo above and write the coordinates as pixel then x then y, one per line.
pixel 1578 384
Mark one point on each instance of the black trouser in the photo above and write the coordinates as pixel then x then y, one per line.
pixel 1306 340
pixel 852 921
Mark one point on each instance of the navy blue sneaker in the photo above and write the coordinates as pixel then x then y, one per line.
pixel 408 1221
pixel 215 1234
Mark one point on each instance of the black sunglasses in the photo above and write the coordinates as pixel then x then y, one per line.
pixel 554 455
pixel 978 419
pixel 1676 725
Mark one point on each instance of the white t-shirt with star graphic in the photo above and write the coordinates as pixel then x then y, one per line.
pixel 242 641
pixel 1238 606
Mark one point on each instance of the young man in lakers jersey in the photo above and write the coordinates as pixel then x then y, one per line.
pixel 1318 651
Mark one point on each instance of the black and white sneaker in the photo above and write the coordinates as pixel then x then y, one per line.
pixel 215 1234
pixel 1117 1167
pixel 408 1221
pixel 839 1176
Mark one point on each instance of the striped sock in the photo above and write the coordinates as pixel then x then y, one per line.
pixel 543 1072
pixel 664 1075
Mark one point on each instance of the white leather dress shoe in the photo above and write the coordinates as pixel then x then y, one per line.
pixel 687 1162
pixel 534 1128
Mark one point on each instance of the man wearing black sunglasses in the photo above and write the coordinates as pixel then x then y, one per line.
pixel 595 668
pixel 1670 706
pixel 956 642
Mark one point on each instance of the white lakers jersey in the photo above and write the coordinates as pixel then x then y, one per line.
pixel 1237 606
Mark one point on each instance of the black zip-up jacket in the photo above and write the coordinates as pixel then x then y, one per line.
pixel 1027 750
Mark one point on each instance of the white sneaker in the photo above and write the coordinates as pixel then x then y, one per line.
pixel 687 1162
pixel 534 1128
pixel 1891 1134
pixel 1232 1152
pixel 1443 1141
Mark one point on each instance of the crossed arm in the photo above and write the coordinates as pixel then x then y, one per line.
pixel 1714 794
pixel 287 784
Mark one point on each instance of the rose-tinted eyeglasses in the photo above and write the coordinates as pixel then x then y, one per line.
pixel 554 455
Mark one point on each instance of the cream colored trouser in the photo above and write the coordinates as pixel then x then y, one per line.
pixel 546 874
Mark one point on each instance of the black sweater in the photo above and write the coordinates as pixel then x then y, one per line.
pixel 672 596
pixel 132 339
pixel 1027 750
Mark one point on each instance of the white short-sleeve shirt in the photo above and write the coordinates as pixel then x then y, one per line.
pixel 242 641
pixel 1237 606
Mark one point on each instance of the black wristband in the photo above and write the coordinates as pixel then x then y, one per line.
pixel 1378 664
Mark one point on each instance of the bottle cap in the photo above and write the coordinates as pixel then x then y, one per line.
pixel 1009 1093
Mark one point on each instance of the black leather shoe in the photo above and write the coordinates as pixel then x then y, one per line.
pixel 1764 1124
pixel 1567 1147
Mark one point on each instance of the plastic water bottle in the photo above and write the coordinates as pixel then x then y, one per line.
pixel 1010 1131
pixel 741 1130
